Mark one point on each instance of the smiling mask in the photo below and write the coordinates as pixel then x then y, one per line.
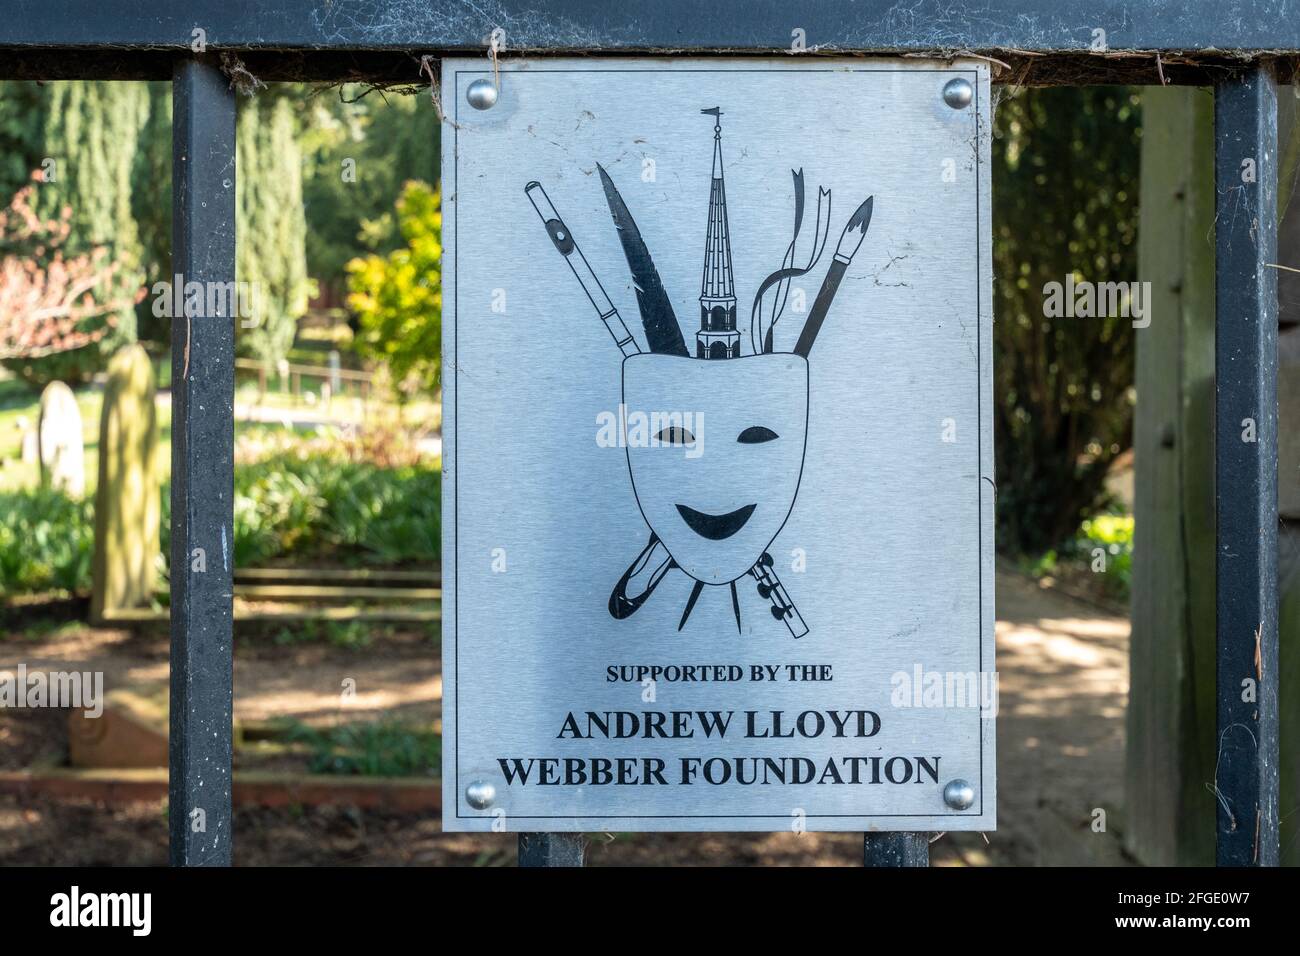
pixel 716 500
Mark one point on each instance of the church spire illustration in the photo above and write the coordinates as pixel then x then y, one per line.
pixel 717 337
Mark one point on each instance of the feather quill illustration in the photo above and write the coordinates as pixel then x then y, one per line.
pixel 662 332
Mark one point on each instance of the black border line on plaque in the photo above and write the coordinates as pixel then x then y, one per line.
pixel 979 452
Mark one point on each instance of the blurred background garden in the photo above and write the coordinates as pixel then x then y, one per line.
pixel 337 481
pixel 338 223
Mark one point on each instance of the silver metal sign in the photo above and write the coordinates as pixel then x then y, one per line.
pixel 718 500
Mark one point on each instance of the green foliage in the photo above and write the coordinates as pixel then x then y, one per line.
pixel 1114 535
pixel 360 148
pixel 1065 194
pixel 84 135
pixel 347 635
pixel 321 506
pixel 271 229
pixel 46 542
pixel 22 119
pixel 151 202
pixel 384 748
pixel 398 298
pixel 111 143
pixel 1077 559
pixel 318 505
pixel 305 506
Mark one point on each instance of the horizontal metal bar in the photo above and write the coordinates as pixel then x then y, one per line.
pixel 389 68
pixel 1246 432
pixel 683 25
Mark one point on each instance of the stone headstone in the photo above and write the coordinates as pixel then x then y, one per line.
pixel 131 732
pixel 128 498
pixel 31 448
pixel 62 451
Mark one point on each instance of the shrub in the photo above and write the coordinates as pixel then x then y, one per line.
pixel 312 505
pixel 1065 201
pixel 384 748
pixel 398 298
pixel 308 505
pixel 46 542
pixel 1114 535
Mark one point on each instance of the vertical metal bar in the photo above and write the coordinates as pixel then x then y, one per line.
pixel 203 388
pixel 1246 772
pixel 552 849
pixel 895 849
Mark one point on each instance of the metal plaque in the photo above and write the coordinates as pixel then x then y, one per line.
pixel 718 500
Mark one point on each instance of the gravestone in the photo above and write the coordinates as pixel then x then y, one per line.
pixel 30 443
pixel 128 499
pixel 62 451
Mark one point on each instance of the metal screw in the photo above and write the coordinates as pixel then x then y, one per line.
pixel 959 795
pixel 957 93
pixel 480 794
pixel 482 95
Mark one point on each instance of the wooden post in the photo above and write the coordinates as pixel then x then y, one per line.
pixel 1288 491
pixel 1169 813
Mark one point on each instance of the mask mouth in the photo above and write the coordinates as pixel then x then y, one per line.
pixel 715 527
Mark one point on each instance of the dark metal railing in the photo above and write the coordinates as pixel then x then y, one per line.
pixel 304 39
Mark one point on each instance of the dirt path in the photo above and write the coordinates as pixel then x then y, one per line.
pixel 398 676
pixel 1063 669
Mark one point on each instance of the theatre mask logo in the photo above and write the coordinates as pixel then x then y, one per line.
pixel 713 515
pixel 708 326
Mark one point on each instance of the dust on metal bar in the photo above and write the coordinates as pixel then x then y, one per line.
pixel 749 26
pixel 895 849
pixel 552 849
pixel 1246 431
pixel 202 539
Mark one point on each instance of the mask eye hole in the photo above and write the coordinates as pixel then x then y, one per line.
pixel 675 435
pixel 756 434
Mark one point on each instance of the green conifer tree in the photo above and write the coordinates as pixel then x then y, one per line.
pixel 271 229
pixel 151 200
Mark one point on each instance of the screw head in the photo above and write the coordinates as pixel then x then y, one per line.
pixel 482 94
pixel 480 794
pixel 959 795
pixel 958 93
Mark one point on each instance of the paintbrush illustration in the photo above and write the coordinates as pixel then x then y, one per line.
pixel 850 241
pixel 662 332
